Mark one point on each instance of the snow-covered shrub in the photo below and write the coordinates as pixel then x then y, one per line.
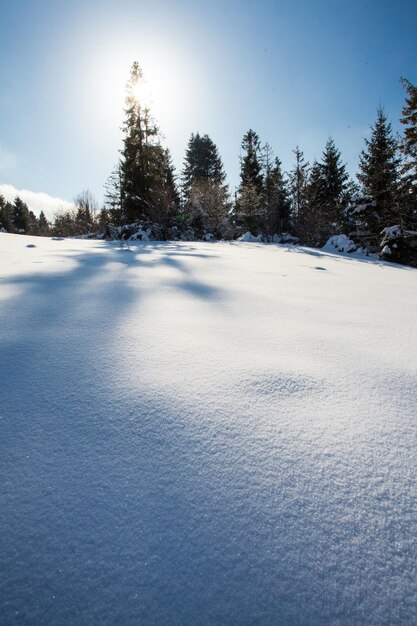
pixel 249 238
pixel 340 243
pixel 399 245
pixel 284 238
pixel 364 223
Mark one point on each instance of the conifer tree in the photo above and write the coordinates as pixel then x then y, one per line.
pixel 166 196
pixel 298 178
pixel 408 147
pixel 275 194
pixel 409 119
pixel 251 166
pixel 86 211
pixel 21 218
pixel 43 225
pixel 170 179
pixel 202 163
pixel 327 197
pixel 335 187
pixel 113 197
pixel 249 211
pixel 308 218
pixel 33 226
pixel 141 154
pixel 379 170
pixel 6 215
pixel 205 192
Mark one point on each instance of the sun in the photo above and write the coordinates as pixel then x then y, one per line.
pixel 142 93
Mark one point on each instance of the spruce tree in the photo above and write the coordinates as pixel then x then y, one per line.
pixel 408 147
pixel 298 178
pixel 33 225
pixel 379 171
pixel 202 163
pixel 249 210
pixel 251 166
pixel 308 218
pixel 275 195
pixel 141 154
pixel 328 194
pixel 43 225
pixel 409 119
pixel 205 192
pixel 166 196
pixel 113 198
pixel 21 219
pixel 6 215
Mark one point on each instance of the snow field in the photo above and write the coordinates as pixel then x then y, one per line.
pixel 205 433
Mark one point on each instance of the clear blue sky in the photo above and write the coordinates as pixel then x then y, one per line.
pixel 295 71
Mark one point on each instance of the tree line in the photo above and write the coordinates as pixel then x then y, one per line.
pixel 310 203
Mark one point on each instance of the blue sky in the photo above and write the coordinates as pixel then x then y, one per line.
pixel 295 71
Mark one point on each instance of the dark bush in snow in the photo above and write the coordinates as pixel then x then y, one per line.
pixel 399 245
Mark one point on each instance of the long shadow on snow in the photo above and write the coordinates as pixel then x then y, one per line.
pixel 103 516
pixel 341 256
pixel 122 505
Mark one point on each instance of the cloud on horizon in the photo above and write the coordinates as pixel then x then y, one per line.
pixel 37 201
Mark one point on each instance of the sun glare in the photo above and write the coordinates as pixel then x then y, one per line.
pixel 161 89
pixel 143 94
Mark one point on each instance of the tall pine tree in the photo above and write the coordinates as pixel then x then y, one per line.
pixel 379 171
pixel 6 215
pixel 298 178
pixel 328 194
pixel 142 155
pixel 275 195
pixel 408 147
pixel 21 218
pixel 249 210
pixel 205 192
pixel 202 163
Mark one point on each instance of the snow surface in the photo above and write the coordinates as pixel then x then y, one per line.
pixel 205 433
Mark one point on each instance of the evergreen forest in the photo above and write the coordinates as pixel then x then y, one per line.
pixel 145 198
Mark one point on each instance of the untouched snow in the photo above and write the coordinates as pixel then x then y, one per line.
pixel 205 433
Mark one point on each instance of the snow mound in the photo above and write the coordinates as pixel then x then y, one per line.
pixel 284 238
pixel 140 235
pixel 249 238
pixel 339 243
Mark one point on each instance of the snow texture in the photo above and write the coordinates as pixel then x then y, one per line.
pixel 205 433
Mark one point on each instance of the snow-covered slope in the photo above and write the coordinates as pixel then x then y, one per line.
pixel 205 434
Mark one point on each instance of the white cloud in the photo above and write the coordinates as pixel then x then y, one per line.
pixel 37 201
